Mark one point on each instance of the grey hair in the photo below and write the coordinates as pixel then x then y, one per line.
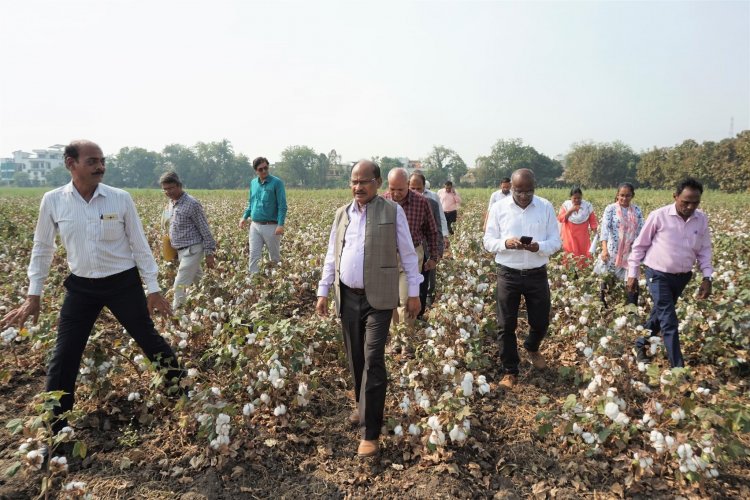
pixel 170 177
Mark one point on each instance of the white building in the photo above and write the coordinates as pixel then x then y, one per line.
pixel 37 163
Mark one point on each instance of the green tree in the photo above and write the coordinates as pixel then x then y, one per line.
pixel 388 163
pixel 299 166
pixel 183 160
pixel 508 155
pixel 443 164
pixel 135 167
pixel 58 176
pixel 599 165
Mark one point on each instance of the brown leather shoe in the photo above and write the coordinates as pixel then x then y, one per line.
pixel 367 448
pixel 354 417
pixel 537 360
pixel 508 381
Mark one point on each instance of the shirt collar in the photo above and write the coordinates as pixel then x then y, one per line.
pixel 532 204
pixel 99 191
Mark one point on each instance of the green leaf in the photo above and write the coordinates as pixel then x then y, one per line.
pixel 544 429
pixel 79 449
pixel 570 402
pixel 11 471
pixel 604 434
pixel 15 425
pixel 543 400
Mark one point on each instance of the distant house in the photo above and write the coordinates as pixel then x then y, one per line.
pixel 36 164
pixel 469 179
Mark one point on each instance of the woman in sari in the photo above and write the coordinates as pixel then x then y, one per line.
pixel 621 223
pixel 577 219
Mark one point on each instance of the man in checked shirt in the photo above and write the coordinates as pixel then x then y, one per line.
pixel 422 228
pixel 189 234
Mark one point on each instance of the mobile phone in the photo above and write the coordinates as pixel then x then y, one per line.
pixel 526 240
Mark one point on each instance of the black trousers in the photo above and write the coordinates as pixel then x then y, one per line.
pixel 122 294
pixel 365 334
pixel 450 218
pixel 427 287
pixel 511 285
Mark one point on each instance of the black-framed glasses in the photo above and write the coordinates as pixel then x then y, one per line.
pixel 262 169
pixel 354 182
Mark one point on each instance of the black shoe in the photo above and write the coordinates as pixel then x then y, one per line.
pixel 641 356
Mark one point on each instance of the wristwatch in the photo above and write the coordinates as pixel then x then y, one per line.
pixel 708 278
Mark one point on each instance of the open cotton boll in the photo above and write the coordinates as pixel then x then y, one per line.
pixel 415 430
pixel 248 409
pixel 434 423
pixel 437 438
pixel 279 410
pixel 611 410
pixel 457 434
pixel 467 387
pixel 398 430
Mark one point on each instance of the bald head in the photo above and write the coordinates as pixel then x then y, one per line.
pixel 524 183
pixel 398 184
pixel 73 150
pixel 525 174
pixel 367 167
pixel 398 174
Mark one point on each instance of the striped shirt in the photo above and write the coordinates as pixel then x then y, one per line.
pixel 102 237
pixel 188 225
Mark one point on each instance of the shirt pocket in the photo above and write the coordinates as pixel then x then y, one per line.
pixel 111 229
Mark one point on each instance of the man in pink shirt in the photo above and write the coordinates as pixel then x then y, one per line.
pixel 451 201
pixel 673 238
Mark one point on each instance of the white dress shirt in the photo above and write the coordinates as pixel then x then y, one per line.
pixel 352 272
pixel 443 222
pixel 508 220
pixel 102 237
pixel 496 196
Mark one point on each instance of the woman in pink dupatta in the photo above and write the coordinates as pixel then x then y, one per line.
pixel 621 223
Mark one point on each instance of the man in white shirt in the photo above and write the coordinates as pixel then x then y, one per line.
pixel 498 195
pixel 522 232
pixel 108 254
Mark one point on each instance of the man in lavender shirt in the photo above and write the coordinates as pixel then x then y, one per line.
pixel 671 241
pixel 361 267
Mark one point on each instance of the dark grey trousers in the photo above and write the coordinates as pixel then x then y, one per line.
pixel 365 334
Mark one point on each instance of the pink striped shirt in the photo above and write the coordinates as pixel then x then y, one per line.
pixel 669 244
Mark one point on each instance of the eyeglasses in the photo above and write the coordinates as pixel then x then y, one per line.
pixel 354 183
pixel 528 193
pixel 262 169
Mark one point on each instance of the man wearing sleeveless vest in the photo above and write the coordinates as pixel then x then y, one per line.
pixel 367 237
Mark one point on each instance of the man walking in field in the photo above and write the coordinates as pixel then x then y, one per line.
pixel 368 237
pixel 522 232
pixel 266 209
pixel 108 255
pixel 673 238
pixel 189 234
pixel 423 230
pixel 451 201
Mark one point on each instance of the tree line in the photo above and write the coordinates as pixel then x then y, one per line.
pixel 723 165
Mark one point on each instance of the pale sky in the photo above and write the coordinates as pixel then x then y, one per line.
pixel 371 78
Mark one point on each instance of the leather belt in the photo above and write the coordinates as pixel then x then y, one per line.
pixel 355 291
pixel 264 222
pixel 522 272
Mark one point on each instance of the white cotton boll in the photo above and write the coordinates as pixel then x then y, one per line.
pixel 678 414
pixel 415 430
pixel 449 352
pixel 248 409
pixel 134 396
pixel 457 434
pixel 215 391
pixel 448 369
pixel 469 376
pixel 653 349
pixel 302 389
pixel 620 322
pixel 588 437
pixel 218 301
pixel 580 346
pixel 588 352
pixel 466 423
pixel 398 430
pixel 262 375
pixel 604 341
pixel 425 371
pixel 192 372
pixel 467 387
pixel 424 403
pixel 434 423
pixel 482 287
pixel 279 410
pixel 222 419
pixel 622 419
pixel 265 398
pixel 404 404
pixel 571 328
pixel 214 316
pixel 583 320
pixel 670 442
pixel 642 367
pixel 564 277
pixel 182 344
pixel 484 388
pixel 577 429
pixel 478 307
pixel 611 410
pixel 437 438
pixel 659 408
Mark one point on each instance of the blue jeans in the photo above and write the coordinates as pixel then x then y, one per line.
pixel 665 289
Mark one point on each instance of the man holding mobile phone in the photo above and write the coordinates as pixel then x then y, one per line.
pixel 522 232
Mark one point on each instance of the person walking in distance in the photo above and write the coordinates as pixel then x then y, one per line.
pixel 266 210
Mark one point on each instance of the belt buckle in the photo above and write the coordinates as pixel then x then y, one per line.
pixel 523 272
